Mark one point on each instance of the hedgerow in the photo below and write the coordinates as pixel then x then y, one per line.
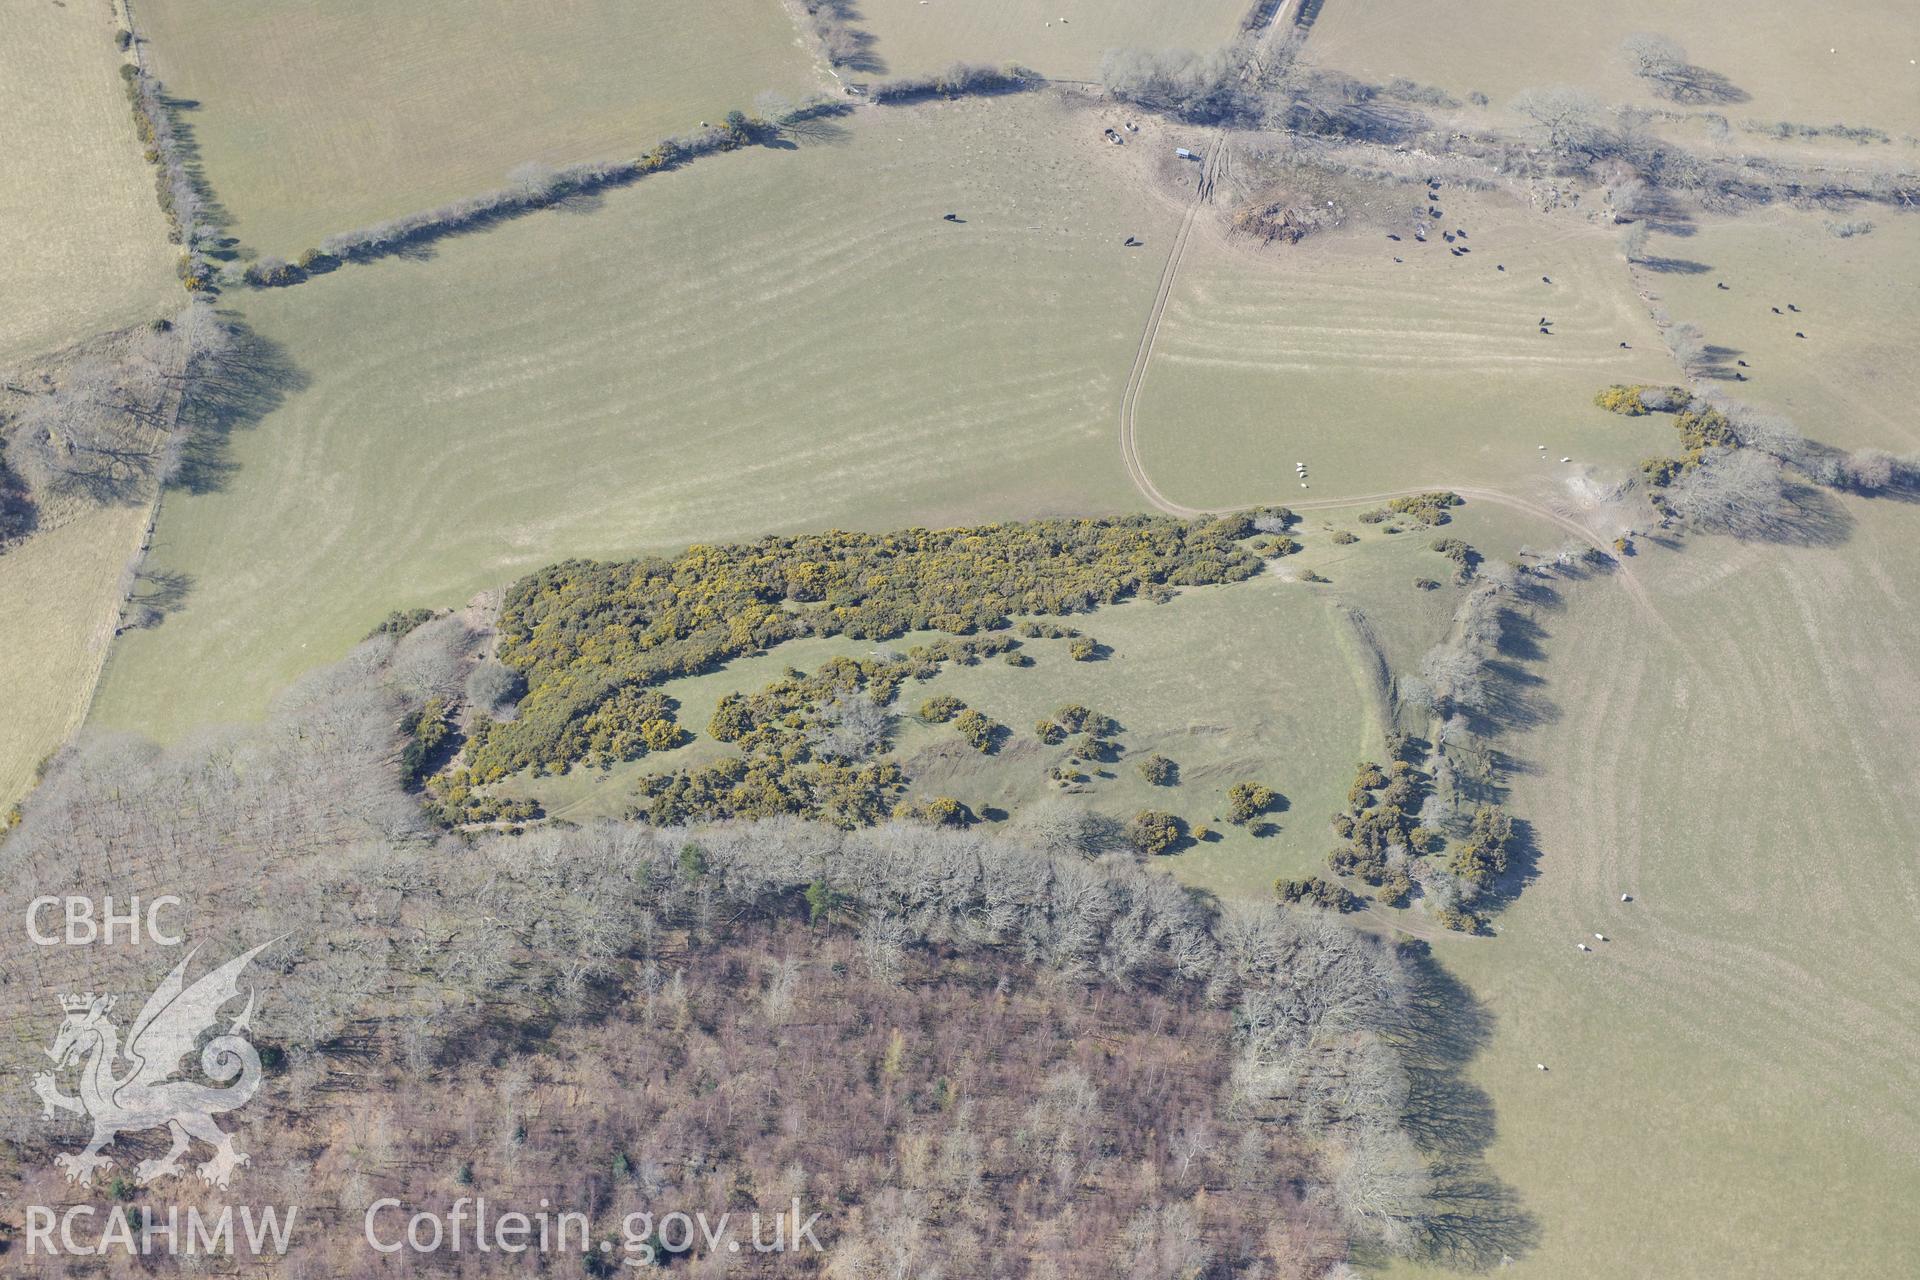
pixel 529 188
pixel 956 80
pixel 176 183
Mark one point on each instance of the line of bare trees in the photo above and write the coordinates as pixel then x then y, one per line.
pixel 1474 687
pixel 532 187
pixel 834 28
pixel 1577 132
pixel 1202 88
pixel 1769 487
pixel 1255 82
pixel 1866 471
pixel 177 183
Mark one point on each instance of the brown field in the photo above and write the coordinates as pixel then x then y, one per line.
pixel 1777 55
pixel 61 589
pixel 1064 39
pixel 83 244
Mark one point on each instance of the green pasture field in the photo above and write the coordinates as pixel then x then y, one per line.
pixel 1852 381
pixel 769 340
pixel 83 244
pixel 1381 375
pixel 1732 1084
pixel 1732 1073
pixel 313 119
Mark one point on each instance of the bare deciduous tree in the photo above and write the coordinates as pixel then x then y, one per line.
pixel 1654 57
pixel 852 727
pixel 494 688
pixel 1202 87
pixel 1738 492
pixel 1060 828
pixel 1687 344
pixel 1570 123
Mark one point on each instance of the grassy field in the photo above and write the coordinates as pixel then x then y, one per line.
pixel 738 347
pixel 1064 39
pixel 1382 375
pixel 83 245
pixel 1778 56
pixel 317 118
pixel 1850 381
pixel 1732 1075
pixel 83 249
pixel 1745 1042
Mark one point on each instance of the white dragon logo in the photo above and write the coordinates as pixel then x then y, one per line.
pixel 144 1097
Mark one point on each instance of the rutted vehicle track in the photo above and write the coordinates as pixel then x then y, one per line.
pixel 1130 397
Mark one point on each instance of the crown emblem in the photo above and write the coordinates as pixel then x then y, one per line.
pixel 78 1004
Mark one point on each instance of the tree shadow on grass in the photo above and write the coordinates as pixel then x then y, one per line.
pixel 157 594
pixel 1475 1221
pixel 1697 86
pixel 1795 514
pixel 233 392
pixel 213 214
pixel 818 122
pixel 852 47
pixel 1719 363
pixel 1676 266
pixel 19 513
pixel 580 203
